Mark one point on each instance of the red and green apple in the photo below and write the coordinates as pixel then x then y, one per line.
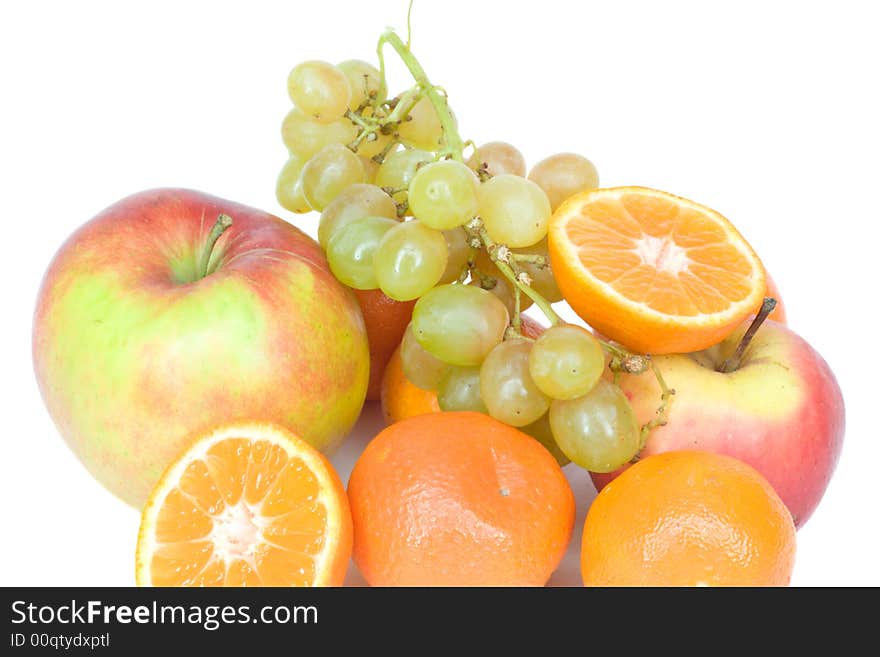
pixel 173 311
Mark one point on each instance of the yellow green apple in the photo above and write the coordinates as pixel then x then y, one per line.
pixel 173 311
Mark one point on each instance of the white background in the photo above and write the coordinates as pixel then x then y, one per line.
pixel 766 111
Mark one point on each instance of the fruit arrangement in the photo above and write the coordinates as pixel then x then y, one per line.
pixel 181 333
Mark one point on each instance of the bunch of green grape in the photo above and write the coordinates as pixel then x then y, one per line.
pixel 553 386
pixel 403 212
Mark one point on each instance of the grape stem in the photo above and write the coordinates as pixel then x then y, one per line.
pixel 517 308
pixel 662 415
pixel 405 103
pixel 409 24
pixel 475 227
pixel 361 138
pixel 453 146
pixel 359 120
pixel 391 191
pixel 379 158
pixel 223 222
pixel 531 258
pixel 624 361
pixel 400 106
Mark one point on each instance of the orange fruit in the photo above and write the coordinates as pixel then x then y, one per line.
pixel 246 505
pixel 652 271
pixel 386 321
pixel 458 499
pixel 688 519
pixel 401 399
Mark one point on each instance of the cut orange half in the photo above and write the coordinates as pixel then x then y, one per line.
pixel 652 271
pixel 246 505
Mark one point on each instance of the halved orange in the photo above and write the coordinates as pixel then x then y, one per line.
pixel 657 273
pixel 246 505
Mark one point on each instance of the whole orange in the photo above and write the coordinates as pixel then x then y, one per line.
pixel 386 320
pixel 458 499
pixel 688 518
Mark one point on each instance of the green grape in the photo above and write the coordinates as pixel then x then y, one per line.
pixel 304 136
pixel 409 260
pixel 354 202
pixel 351 248
pixel 419 366
pixel 371 167
pixel 566 361
pixel 499 158
pixel 541 431
pixel 459 250
pixel 563 175
pixel 459 390
pixel 459 324
pixel 499 287
pixel 363 80
pixel 319 89
pixel 443 195
pixel 543 281
pixel 399 168
pixel 328 172
pixel 507 387
pixel 288 189
pixel 597 431
pixel 514 210
pixel 422 129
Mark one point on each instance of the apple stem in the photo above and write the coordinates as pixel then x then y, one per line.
pixel 223 222
pixel 732 363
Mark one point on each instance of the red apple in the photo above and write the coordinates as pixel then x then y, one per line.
pixel 780 411
pixel 154 323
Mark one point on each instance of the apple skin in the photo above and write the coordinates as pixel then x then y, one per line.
pixel 134 352
pixel 781 412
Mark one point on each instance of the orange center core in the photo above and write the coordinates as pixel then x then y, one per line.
pixel 662 253
pixel 236 534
